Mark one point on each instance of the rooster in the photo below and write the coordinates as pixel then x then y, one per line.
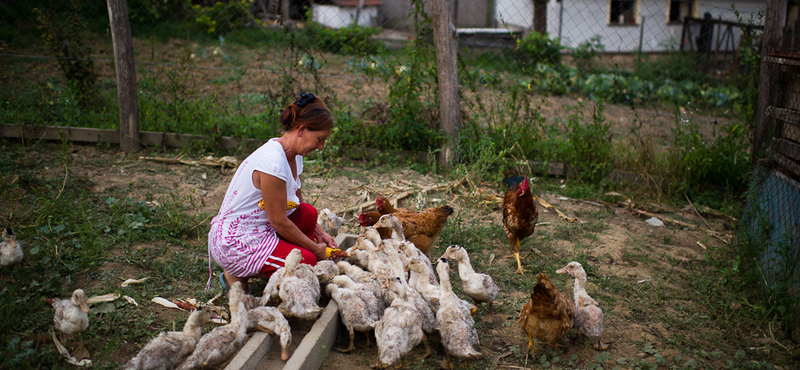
pixel 548 315
pixel 519 214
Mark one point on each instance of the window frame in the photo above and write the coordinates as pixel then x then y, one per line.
pixel 693 11
pixel 635 10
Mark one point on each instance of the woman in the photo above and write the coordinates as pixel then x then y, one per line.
pixel 263 217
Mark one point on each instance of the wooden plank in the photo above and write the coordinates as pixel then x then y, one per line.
pixel 126 74
pixel 787 148
pixel 774 20
pixel 253 351
pixel 791 131
pixel 97 135
pixel 77 134
pixel 786 163
pixel 784 114
pixel 317 343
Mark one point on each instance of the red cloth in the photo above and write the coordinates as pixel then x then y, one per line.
pixel 305 217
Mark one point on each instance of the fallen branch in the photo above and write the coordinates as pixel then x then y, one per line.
pixel 560 214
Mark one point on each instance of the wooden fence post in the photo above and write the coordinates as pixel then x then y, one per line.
pixel 126 75
pixel 446 43
pixel 774 20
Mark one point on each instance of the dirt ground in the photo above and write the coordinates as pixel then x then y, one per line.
pixel 645 265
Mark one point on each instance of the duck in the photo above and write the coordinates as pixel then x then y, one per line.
pixel 271 320
pixel 456 325
pixel 330 222
pixel 169 348
pixel 220 344
pixel 399 329
pixel 353 310
pixel 71 318
pixel 548 315
pixel 588 314
pixel 374 303
pixel 367 278
pixel 426 314
pixel 299 289
pixel 411 252
pixel 325 270
pixel 480 287
pixel 10 250
pixel 420 281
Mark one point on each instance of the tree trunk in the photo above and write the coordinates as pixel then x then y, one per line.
pixel 446 43
pixel 540 16
pixel 764 127
pixel 126 75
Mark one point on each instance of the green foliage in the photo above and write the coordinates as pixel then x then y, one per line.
pixel 537 48
pixel 223 16
pixel 148 12
pixel 584 56
pixel 353 40
pixel 723 163
pixel 590 145
pixel 64 34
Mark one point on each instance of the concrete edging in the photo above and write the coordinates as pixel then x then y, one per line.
pixel 307 356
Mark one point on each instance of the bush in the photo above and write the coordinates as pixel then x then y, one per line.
pixel 347 41
pixel 537 48
pixel 586 53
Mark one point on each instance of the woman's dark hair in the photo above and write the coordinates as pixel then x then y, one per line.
pixel 307 111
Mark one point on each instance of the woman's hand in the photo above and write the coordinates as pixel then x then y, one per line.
pixel 324 238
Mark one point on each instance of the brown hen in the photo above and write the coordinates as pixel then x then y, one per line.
pixel 370 218
pixel 548 315
pixel 420 228
pixel 519 214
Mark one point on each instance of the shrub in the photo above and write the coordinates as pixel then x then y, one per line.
pixel 347 41
pixel 537 48
pixel 586 53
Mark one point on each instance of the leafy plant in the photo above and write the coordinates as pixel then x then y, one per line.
pixel 223 16
pixel 585 55
pixel 353 40
pixel 537 48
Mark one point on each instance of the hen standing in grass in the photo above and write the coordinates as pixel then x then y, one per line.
pixel 519 214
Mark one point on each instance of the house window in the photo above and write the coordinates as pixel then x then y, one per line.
pixel 680 9
pixel 792 14
pixel 622 12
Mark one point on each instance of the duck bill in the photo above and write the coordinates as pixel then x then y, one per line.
pixel 85 307
pixel 561 271
pixel 284 354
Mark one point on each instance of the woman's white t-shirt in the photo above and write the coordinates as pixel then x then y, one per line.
pixel 241 237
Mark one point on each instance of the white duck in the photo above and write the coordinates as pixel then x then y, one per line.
pixel 362 276
pixel 400 328
pixel 354 311
pixel 299 290
pixel 479 287
pixel 588 315
pixel 420 281
pixel 325 270
pixel 374 303
pixel 169 348
pixel 220 344
pixel 330 222
pixel 72 318
pixel 456 326
pixel 10 250
pixel 271 320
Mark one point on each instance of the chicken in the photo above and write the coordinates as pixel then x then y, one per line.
pixel 271 320
pixel 548 315
pixel 519 214
pixel 370 218
pixel 588 315
pixel 356 313
pixel 299 289
pixel 10 250
pixel 479 287
pixel 456 326
pixel 400 328
pixel 72 318
pixel 330 222
pixel 220 344
pixel 419 227
pixel 168 349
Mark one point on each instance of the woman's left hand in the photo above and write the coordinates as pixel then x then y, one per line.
pixel 324 237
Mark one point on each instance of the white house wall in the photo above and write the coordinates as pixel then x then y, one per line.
pixel 582 19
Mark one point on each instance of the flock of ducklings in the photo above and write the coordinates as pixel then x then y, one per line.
pixel 385 285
